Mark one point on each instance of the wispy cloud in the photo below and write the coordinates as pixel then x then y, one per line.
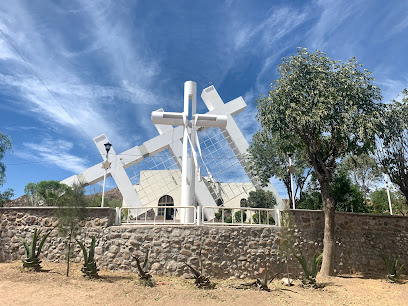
pixel 55 152
pixel 92 106
pixel 278 24
pixel 333 14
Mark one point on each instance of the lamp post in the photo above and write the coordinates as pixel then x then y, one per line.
pixel 291 170
pixel 106 166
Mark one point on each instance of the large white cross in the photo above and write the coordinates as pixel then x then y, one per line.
pixel 189 166
pixel 170 138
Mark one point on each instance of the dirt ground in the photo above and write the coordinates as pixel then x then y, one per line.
pixel 18 287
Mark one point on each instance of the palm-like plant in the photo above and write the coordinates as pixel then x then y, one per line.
pixel 32 252
pixel 393 272
pixel 309 273
pixel 89 269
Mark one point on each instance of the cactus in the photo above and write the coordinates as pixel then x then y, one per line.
pixel 32 252
pixel 89 269
pixel 393 272
pixel 309 275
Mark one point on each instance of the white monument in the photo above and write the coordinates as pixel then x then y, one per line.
pixel 220 115
pixel 190 166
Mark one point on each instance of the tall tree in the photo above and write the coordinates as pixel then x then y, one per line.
pixel 392 152
pixel 328 109
pixel 363 170
pixel 5 146
pixel 267 159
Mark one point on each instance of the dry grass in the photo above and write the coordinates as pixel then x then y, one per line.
pixel 18 287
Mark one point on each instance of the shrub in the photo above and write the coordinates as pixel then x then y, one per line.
pixel 264 220
pixel 238 216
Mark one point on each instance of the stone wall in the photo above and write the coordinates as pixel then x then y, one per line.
pixel 225 251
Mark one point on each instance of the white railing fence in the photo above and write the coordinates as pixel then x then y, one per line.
pixel 242 216
pixel 156 215
pixel 198 216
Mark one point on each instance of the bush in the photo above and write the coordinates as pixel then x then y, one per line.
pixel 238 216
pixel 255 218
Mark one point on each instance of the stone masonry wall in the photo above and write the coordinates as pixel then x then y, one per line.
pixel 225 251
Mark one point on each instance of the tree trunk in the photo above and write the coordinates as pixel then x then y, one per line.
pixel 329 242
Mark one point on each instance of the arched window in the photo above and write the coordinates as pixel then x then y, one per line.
pixel 166 200
pixel 243 202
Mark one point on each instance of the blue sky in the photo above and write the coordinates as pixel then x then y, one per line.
pixel 110 63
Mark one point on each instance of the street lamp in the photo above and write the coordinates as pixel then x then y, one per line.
pixel 106 166
pixel 291 170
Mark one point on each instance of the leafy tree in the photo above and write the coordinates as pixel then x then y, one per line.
pixel 267 159
pixel 5 146
pixel 31 194
pixel 48 193
pixel 70 213
pixel 328 109
pixel 261 199
pixel 379 202
pixel 363 170
pixel 346 195
pixel 392 152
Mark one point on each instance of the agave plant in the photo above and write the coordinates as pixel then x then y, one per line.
pixel 32 252
pixel 89 269
pixel 309 274
pixel 145 277
pixel 260 284
pixel 201 281
pixel 393 272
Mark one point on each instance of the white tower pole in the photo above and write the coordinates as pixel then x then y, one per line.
pixel 187 177
pixel 388 193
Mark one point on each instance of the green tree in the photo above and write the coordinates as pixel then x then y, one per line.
pixel 346 195
pixel 379 202
pixel 70 213
pixel 266 159
pixel 5 146
pixel 328 109
pixel 363 170
pixel 392 152
pixel 48 193
pixel 31 193
pixel 261 199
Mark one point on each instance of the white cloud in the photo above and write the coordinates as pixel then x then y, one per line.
pixel 53 152
pixel 62 72
pixel 280 23
pixel 334 13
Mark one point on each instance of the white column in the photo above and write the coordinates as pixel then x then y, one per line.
pixel 187 173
